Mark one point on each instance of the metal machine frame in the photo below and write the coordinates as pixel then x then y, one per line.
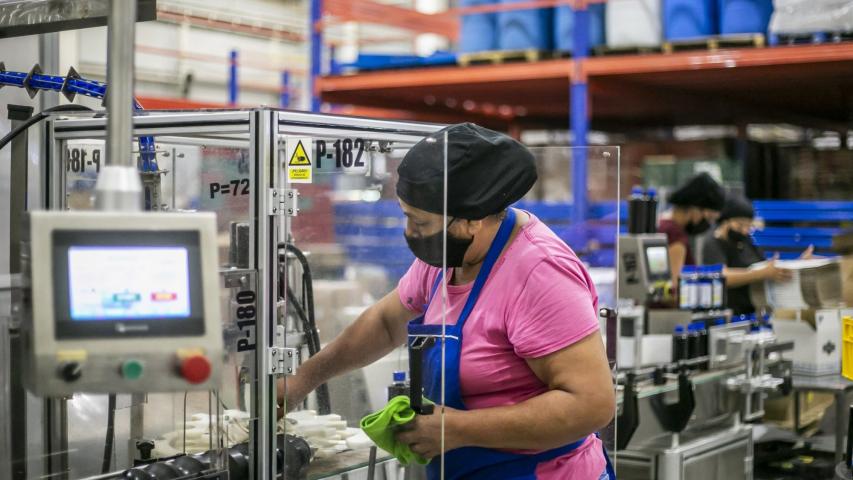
pixel 264 130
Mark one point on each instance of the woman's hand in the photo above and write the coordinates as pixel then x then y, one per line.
pixel 292 395
pixel 423 434
pixel 774 273
pixel 808 253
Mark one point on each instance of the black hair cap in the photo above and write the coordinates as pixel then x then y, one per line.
pixel 487 172
pixel 700 191
pixel 737 206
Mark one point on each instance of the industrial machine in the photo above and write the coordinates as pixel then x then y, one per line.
pixel 644 267
pixel 136 305
pixel 122 303
pixel 289 264
pixel 691 379
pixel 177 266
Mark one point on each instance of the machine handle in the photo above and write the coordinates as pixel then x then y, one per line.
pixel 779 347
pixel 627 421
pixel 610 318
pixel 371 464
pixel 849 459
pixel 674 417
pixel 416 389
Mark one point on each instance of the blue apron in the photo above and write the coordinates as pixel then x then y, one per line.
pixel 473 463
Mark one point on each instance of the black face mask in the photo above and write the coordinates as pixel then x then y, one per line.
pixel 428 249
pixel 698 227
pixel 738 237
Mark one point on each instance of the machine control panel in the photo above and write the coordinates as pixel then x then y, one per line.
pixel 122 303
pixel 643 263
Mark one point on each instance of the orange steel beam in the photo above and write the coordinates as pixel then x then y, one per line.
pixel 424 77
pixel 744 57
pixel 162 103
pixel 373 12
pixel 592 67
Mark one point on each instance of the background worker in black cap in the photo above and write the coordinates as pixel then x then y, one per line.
pixel 730 244
pixel 523 381
pixel 695 206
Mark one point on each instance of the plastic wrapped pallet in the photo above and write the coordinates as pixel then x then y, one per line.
pixel 525 29
pixel 811 16
pixel 478 32
pixel 564 20
pixel 633 23
pixel 689 19
pixel 744 16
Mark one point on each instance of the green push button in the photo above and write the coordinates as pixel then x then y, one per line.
pixel 131 369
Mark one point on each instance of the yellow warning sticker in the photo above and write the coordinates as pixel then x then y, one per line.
pixel 298 154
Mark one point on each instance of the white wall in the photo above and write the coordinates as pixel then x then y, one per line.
pixel 168 51
pixel 19 54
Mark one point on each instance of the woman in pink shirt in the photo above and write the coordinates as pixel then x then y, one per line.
pixel 527 383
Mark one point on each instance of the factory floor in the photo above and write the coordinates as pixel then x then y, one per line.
pixel 781 460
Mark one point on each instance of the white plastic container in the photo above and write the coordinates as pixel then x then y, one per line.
pixel 633 23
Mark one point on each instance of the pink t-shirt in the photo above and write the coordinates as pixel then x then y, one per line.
pixel 537 300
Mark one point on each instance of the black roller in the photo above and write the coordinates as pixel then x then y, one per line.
pixel 298 455
pixel 295 449
pixel 163 471
pixel 188 465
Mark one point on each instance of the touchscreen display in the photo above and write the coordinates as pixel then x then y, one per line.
pixel 128 283
pixel 657 258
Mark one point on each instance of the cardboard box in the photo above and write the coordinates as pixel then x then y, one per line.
pixel 847 280
pixel 815 283
pixel 780 411
pixel 656 350
pixel 817 339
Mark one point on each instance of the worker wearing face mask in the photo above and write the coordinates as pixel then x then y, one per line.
pixel 526 380
pixel 730 244
pixel 695 206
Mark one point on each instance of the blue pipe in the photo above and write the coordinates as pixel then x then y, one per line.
pixel 284 99
pixel 88 88
pixel 578 116
pixel 147 151
pixel 316 52
pixel 14 79
pixel 46 82
pixel 72 85
pixel 232 79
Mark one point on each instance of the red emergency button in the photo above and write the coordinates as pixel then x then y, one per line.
pixel 195 368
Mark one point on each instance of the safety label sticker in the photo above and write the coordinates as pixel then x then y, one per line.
pixel 298 155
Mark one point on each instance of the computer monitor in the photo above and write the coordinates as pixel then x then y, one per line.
pixel 123 303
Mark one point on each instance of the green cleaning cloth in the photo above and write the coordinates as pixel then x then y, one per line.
pixel 381 427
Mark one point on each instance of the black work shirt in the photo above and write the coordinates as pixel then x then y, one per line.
pixel 716 251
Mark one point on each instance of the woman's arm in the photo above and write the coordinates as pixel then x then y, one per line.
pixel 736 277
pixel 580 401
pixel 377 331
pixel 677 257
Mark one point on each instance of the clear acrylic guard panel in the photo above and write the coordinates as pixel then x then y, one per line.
pixel 350 230
pixel 192 174
pixel 588 222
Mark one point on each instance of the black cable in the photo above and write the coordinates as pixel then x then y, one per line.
pixel 39 117
pixel 324 404
pixel 111 434
pixel 306 313
pixel 308 290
